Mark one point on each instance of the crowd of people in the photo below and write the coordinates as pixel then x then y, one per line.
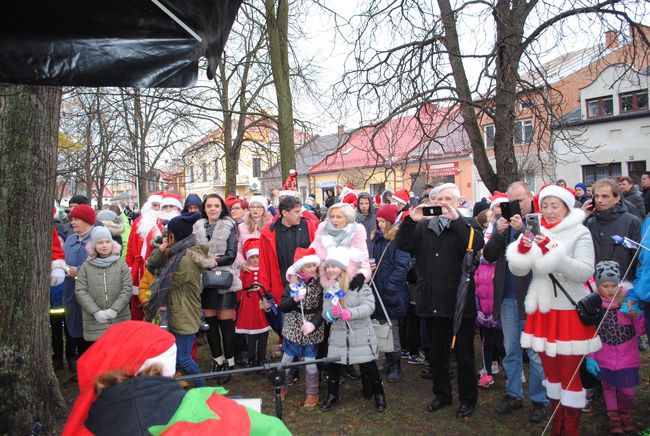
pixel 513 268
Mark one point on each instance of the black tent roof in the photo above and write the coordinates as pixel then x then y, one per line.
pixel 134 43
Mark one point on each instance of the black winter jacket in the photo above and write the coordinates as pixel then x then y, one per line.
pixel 438 264
pixel 390 276
pixel 615 221
pixel 495 251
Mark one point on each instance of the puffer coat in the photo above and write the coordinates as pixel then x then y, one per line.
pixel 353 341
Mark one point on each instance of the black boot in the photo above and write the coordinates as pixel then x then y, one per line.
pixel 395 368
pixel 385 367
pixel 366 386
pixel 378 393
pixel 332 390
pixel 352 372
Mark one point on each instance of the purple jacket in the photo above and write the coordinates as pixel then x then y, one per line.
pixel 618 334
pixel 484 279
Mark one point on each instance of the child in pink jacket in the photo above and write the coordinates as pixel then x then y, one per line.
pixel 617 363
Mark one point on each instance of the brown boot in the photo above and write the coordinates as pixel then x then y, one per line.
pixel 558 417
pixel 615 426
pixel 311 401
pixel 571 424
pixel 626 419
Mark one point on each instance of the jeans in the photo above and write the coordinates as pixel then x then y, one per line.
pixel 184 361
pixel 512 326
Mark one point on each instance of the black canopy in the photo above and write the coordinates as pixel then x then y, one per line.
pixel 134 43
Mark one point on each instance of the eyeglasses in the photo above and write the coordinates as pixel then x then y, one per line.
pixel 236 208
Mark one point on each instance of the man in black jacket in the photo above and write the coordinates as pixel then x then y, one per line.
pixel 645 190
pixel 608 216
pixel 509 293
pixel 439 245
pixel 632 194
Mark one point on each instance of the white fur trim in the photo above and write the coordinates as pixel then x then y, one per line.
pixel 59 263
pixel 154 198
pixel 252 332
pixel 549 262
pixel 575 217
pixel 289 193
pixel 134 290
pixel 396 198
pixel 167 360
pixel 355 254
pixel 312 258
pixel 563 348
pixel 498 201
pixel 171 201
pixel 555 191
pixel 252 252
pixel 520 264
pixel 575 399
pixel 553 390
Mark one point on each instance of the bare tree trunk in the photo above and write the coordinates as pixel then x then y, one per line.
pixel 29 391
pixel 277 25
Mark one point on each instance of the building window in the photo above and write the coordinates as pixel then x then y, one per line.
pixel 190 174
pixel 215 176
pixel 592 173
pixel 489 136
pixel 204 172
pixel 523 131
pixel 634 101
pixel 377 188
pixel 636 169
pixel 526 104
pixel 600 107
pixel 257 167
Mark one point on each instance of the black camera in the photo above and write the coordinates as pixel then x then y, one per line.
pixel 432 210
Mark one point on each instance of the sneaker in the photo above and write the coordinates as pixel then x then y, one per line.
pixel 508 404
pixel 405 354
pixel 203 326
pixel 482 372
pixel 523 376
pixel 164 321
pixel 495 367
pixel 643 343
pixel 486 381
pixel 589 394
pixel 537 412
pixel 417 359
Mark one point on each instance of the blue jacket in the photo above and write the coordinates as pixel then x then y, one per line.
pixel 641 289
pixel 390 276
pixel 75 255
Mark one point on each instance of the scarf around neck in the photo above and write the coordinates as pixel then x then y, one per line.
pixel 342 237
pixel 162 285
pixel 104 262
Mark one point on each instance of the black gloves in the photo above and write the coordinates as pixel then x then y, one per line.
pixel 357 281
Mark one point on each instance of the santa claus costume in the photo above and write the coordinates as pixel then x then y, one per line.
pixel 134 248
pixel 401 199
pixel 553 327
pixel 251 320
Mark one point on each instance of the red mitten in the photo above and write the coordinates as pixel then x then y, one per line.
pixel 522 248
pixel 544 244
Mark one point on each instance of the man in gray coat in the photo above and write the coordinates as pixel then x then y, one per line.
pixel 632 194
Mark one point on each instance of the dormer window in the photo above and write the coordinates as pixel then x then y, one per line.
pixel 600 107
pixel 634 101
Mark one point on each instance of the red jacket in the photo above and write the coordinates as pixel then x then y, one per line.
pixel 133 252
pixel 269 275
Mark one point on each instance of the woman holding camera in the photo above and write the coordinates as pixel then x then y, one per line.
pixel 219 231
pixel 561 257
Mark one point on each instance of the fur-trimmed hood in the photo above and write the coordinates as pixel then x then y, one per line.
pixel 116 229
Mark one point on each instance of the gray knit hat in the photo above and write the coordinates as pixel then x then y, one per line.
pixel 108 215
pixel 607 271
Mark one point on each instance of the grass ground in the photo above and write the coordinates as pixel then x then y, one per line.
pixel 406 414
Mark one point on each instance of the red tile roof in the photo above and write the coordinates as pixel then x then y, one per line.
pixel 375 146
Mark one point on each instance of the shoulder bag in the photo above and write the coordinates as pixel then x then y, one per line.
pixel 590 308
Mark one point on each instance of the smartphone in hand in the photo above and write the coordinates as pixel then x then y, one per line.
pixel 533 226
pixel 510 209
pixel 432 210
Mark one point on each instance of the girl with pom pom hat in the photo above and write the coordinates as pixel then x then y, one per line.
pixel 125 388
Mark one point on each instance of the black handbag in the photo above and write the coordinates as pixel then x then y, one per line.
pixel 590 308
pixel 216 279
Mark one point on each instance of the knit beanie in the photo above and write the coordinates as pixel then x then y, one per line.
pixel 338 256
pixel 582 186
pixel 259 199
pixel 388 212
pixel 182 225
pixel 607 271
pixel 108 215
pixel 557 191
pixel 84 213
pixel 480 206
pixel 78 199
pixel 304 256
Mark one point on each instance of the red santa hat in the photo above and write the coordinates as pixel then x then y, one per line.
pixel 498 198
pixel 557 191
pixel 251 247
pixel 130 346
pixel 378 199
pixel 171 200
pixel 401 196
pixel 156 197
pixel 304 256
pixel 290 184
pixel 351 198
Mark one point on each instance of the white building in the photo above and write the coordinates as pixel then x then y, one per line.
pixel 608 135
